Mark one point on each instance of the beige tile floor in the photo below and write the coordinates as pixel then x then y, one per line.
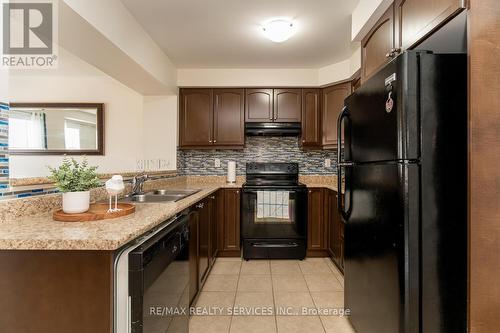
pixel 245 296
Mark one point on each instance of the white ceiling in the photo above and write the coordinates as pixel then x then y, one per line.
pixel 226 33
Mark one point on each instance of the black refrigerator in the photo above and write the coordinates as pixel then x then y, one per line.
pixel 404 169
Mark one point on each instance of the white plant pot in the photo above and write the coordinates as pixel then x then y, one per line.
pixel 76 202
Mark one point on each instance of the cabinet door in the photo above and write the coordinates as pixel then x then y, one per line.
pixel 204 239
pixel 316 235
pixel 213 227
pixel 416 19
pixel 195 117
pixel 229 117
pixel 193 255
pixel 232 220
pixel 287 105
pixel 332 104
pixel 311 118
pixel 377 44
pixel 330 197
pixel 258 105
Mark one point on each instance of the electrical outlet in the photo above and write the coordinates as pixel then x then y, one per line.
pixel 217 163
pixel 328 163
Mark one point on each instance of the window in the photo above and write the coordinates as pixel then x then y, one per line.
pixel 27 130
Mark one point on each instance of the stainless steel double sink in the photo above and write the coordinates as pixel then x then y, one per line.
pixel 169 195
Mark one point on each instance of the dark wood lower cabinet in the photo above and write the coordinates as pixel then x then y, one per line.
pixel 214 198
pixel 51 291
pixel 317 237
pixel 325 235
pixel 193 255
pixel 335 229
pixel 228 217
pixel 204 228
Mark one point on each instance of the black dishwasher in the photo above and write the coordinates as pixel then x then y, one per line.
pixel 159 281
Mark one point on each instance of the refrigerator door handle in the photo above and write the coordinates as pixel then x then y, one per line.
pixel 343 114
pixel 341 163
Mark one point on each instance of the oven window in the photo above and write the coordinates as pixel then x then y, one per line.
pixel 274 207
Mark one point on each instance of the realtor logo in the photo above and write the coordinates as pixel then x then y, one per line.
pixel 29 34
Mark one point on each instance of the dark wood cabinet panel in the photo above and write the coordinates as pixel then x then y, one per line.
pixel 317 236
pixel 213 227
pixel 311 118
pixel 484 156
pixel 193 255
pixel 231 232
pixel 332 104
pixel 205 217
pixel 258 105
pixel 416 19
pixel 287 105
pixel 377 44
pixel 196 117
pixel 56 291
pixel 229 117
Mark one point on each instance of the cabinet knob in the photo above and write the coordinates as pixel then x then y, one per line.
pixel 210 141
pixel 310 191
pixel 271 118
pixel 303 140
pixel 212 197
pixel 215 141
pixel 237 191
pixel 393 52
pixel 200 205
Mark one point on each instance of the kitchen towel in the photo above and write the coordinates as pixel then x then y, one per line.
pixel 273 204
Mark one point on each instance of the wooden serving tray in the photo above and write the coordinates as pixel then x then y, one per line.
pixel 96 212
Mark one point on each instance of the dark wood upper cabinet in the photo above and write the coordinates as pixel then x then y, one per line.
pixel 377 44
pixel 287 105
pixel 258 105
pixel 416 19
pixel 229 117
pixel 311 118
pixel 332 104
pixel 211 118
pixel 196 117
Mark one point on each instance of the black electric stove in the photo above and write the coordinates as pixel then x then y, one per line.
pixel 274 212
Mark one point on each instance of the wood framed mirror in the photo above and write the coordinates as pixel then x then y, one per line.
pixel 56 129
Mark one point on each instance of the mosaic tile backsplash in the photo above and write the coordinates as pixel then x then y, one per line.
pixel 4 146
pixel 257 149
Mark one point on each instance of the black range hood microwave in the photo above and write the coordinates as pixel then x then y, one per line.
pixel 273 129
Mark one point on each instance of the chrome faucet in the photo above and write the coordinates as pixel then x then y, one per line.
pixel 138 183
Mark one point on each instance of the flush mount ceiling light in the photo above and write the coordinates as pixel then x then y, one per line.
pixel 278 30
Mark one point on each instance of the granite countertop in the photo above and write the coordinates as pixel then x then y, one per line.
pixel 41 232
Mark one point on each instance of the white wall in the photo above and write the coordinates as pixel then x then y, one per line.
pixel 112 19
pixel 364 16
pixel 77 81
pixel 289 77
pixel 247 77
pixel 160 130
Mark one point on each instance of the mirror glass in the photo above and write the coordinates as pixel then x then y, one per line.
pixel 55 128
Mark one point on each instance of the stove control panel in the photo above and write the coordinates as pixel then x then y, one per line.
pixel 272 168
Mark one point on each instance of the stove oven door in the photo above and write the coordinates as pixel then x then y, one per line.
pixel 274 212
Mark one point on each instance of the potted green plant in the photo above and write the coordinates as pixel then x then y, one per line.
pixel 75 180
